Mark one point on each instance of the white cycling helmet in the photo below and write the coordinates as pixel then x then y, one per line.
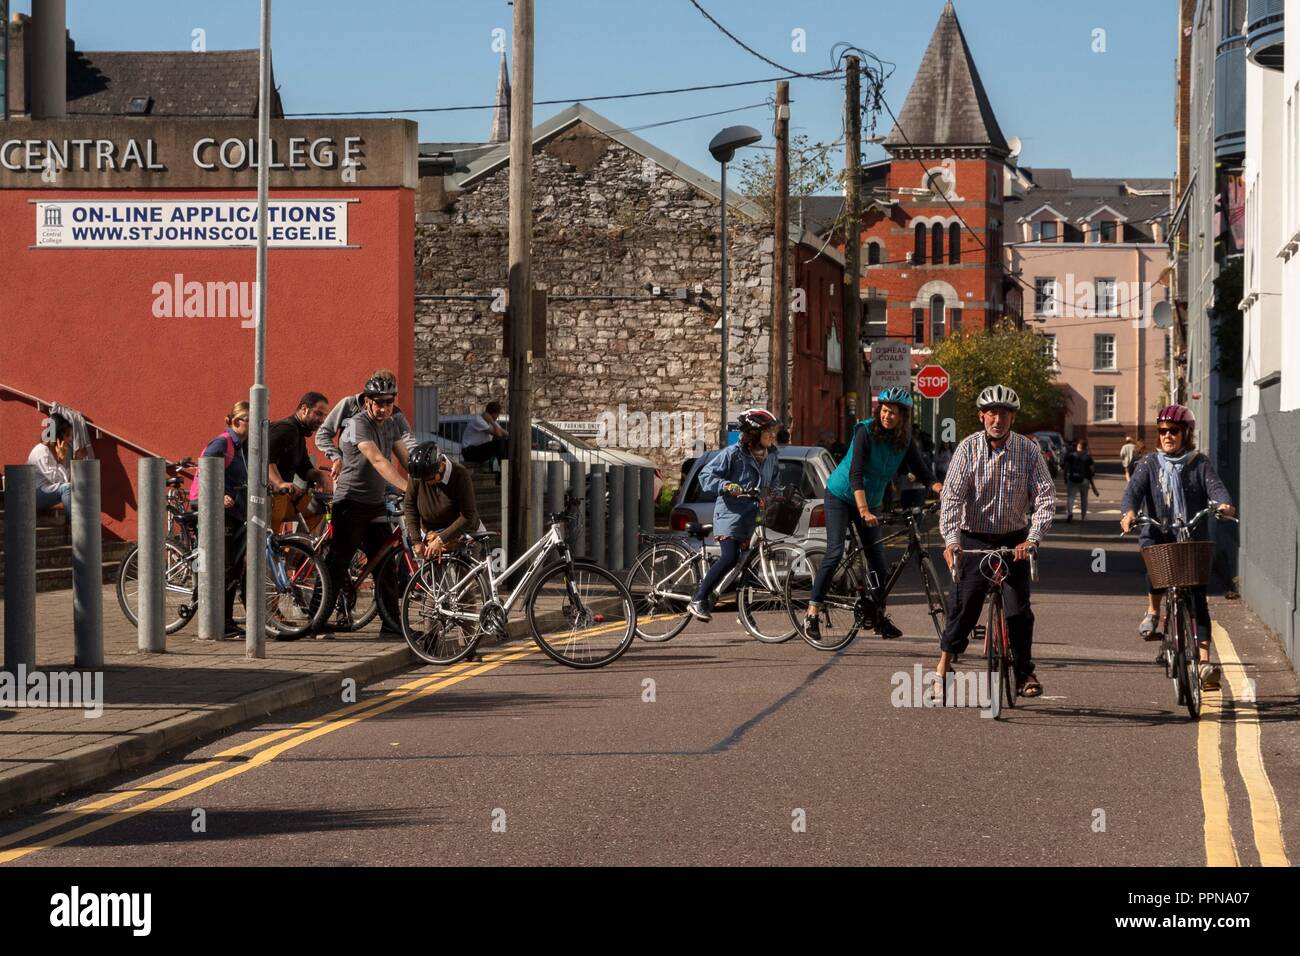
pixel 998 396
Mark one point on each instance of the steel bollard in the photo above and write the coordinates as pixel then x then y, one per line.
pixel 648 500
pixel 212 545
pixel 631 513
pixel 255 569
pixel 578 490
pixel 536 516
pixel 596 514
pixel 87 567
pixel 614 545
pixel 151 558
pixel 20 567
pixel 555 486
pixel 504 540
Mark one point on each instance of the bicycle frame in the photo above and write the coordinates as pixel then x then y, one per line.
pixel 759 550
pixel 549 543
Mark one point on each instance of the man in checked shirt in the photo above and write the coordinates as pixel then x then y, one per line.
pixel 998 494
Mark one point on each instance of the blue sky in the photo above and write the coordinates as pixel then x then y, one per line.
pixel 1105 113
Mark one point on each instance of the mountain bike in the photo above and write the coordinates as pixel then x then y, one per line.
pixel 999 656
pixel 848 608
pixel 1176 568
pixel 579 613
pixel 666 574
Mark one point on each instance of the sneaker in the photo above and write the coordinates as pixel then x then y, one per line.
pixel 813 628
pixel 887 629
pixel 1210 674
pixel 1147 629
pixel 1069 518
pixel 696 610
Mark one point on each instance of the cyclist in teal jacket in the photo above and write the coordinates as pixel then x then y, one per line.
pixel 856 489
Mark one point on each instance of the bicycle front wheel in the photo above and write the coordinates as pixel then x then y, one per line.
pixel 993 663
pixel 838 614
pixel 581 615
pixel 180 588
pixel 441 608
pixel 297 592
pixel 934 601
pixel 761 599
pixel 662 580
pixel 1191 661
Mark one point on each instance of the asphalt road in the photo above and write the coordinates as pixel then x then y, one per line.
pixel 716 749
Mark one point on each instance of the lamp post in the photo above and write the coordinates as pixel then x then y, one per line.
pixel 723 147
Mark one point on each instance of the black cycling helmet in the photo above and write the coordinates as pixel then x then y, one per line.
pixel 381 386
pixel 422 462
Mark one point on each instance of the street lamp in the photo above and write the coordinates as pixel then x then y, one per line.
pixel 723 147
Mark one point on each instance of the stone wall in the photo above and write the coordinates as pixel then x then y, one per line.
pixel 607 224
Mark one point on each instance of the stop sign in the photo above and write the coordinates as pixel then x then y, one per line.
pixel 932 381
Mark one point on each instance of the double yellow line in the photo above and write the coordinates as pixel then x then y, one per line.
pixel 1265 813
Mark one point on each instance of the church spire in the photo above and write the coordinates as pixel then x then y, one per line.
pixel 501 115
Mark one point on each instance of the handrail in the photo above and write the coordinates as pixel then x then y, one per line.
pixel 44 406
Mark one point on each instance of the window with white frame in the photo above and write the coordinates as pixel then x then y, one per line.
pixel 1103 352
pixel 1103 403
pixel 1045 295
pixel 1107 303
pixel 1049 348
pixel 1044 230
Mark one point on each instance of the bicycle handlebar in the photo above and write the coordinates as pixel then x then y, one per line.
pixel 1002 553
pixel 1174 526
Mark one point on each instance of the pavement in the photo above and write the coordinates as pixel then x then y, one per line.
pixel 714 749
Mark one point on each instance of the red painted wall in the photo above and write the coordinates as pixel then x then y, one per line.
pixel 77 327
pixel 817 396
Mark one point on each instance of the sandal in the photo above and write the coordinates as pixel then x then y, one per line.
pixel 1147 629
pixel 1031 687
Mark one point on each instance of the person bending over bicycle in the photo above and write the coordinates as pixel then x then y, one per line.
pixel 856 489
pixel 439 506
pixel 1175 482
pixel 368 441
pixel 750 463
pixel 996 478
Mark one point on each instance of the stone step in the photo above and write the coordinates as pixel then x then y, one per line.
pixel 60 579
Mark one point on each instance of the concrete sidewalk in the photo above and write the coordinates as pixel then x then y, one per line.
pixel 155 702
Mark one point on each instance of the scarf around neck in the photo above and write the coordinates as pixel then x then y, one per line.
pixel 1171 482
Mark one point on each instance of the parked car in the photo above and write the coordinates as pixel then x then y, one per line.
pixel 1058 443
pixel 808 467
pixel 1049 454
pixel 550 443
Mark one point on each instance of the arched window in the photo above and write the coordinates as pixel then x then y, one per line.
pixel 936 317
pixel 936 244
pixel 918 254
pixel 954 243
pixel 873 253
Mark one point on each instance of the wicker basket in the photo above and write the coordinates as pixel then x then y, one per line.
pixel 783 511
pixel 1182 564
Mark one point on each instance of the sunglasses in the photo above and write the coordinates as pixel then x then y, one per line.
pixel 1169 431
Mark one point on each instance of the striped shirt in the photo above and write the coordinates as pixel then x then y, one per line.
pixel 994 491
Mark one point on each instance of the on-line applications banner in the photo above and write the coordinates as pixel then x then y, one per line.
pixel 193 223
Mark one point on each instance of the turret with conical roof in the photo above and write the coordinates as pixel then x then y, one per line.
pixel 501 115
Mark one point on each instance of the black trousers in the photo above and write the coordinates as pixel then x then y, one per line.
pixel 236 530
pixel 497 449
pixel 354 526
pixel 966 600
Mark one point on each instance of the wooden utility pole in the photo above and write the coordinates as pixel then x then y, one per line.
pixel 519 313
pixel 852 360
pixel 780 339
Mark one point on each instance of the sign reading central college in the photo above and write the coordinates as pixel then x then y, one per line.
pixel 212 223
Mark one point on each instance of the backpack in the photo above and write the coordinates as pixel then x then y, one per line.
pixel 229 456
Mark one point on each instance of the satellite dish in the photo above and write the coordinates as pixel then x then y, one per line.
pixel 1162 314
pixel 1015 146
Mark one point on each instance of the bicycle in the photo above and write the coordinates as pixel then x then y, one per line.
pixel 453 600
pixel 297 593
pixel 847 609
pixel 665 576
pixel 182 524
pixel 999 656
pixel 1176 567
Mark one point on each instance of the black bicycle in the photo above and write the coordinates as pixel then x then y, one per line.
pixel 848 608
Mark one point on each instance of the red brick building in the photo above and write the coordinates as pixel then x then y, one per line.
pixel 932 221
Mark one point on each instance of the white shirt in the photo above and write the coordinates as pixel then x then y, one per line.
pixel 478 431
pixel 48 467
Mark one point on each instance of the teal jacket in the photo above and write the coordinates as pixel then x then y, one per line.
pixel 871 464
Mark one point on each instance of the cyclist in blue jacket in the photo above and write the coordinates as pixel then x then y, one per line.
pixel 856 490
pixel 750 463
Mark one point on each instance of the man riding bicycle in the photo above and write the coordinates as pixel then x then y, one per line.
pixel 368 442
pixel 996 478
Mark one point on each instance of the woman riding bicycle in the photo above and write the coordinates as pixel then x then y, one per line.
pixel 750 463
pixel 856 489
pixel 1176 482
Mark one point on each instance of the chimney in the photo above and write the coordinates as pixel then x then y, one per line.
pixel 49 67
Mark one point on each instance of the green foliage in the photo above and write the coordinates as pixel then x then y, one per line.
pixel 810 172
pixel 1005 355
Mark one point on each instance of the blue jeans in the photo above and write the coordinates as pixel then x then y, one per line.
pixel 839 514
pixel 48 499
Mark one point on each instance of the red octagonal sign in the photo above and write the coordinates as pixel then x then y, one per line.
pixel 932 381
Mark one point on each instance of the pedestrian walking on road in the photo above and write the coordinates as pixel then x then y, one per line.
pixel 1127 453
pixel 1080 470
pixel 998 494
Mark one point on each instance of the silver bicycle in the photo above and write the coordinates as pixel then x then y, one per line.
pixel 579 613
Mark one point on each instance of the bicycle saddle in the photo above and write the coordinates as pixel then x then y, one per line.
pixel 188 519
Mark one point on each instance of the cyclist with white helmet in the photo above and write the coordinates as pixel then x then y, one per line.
pixel 997 477
pixel 750 463
pixel 1177 481
pixel 856 489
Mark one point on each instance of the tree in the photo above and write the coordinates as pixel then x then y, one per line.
pixel 810 172
pixel 1004 355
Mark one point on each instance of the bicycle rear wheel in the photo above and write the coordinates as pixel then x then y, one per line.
pixel 581 615
pixel 298 593
pixel 838 615
pixel 934 600
pixel 363 601
pixel 762 601
pixel 661 582
pixel 440 610
pixel 180 588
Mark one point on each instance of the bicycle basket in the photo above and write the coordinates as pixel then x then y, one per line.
pixel 783 510
pixel 1181 564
